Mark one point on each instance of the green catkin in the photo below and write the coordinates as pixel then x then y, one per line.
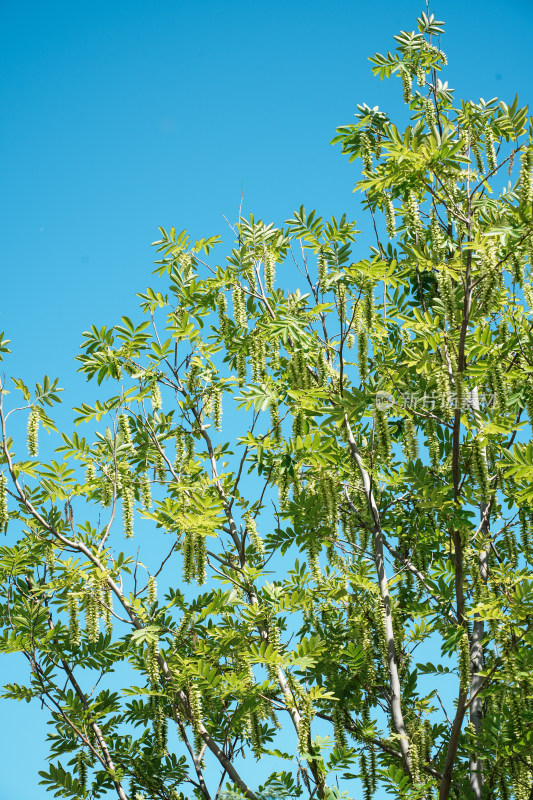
pixel 328 497
pixel 362 354
pixel 525 533
pixel 463 657
pixel 478 157
pixel 33 433
pixel 191 384
pixel 90 473
pixel 377 144
pixel 489 149
pixel 365 778
pixel 255 734
pixel 443 393
pixel 241 365
pixel 73 621
pixel 195 699
pixel 410 442
pixel 420 74
pixel 350 341
pixel 390 218
pixel 275 422
pixel 528 295
pixel 338 727
pixel 321 368
pixel 382 434
pixel 298 372
pixel 283 491
pixel 368 650
pixel 304 726
pixel 239 307
pixel 428 740
pixel 4 515
pixel 159 726
pixel 322 269
pixel 366 152
pixel 312 550
pixel 340 292
pixel 124 427
pixel 107 609
pixel 414 753
pixel 223 321
pixel 407 83
pixel 461 393
pixel 510 544
pixel 160 465
pixel 49 558
pixel 146 491
pixel 179 449
pixel 92 616
pixel 152 663
pixel 249 271
pixel 269 271
pixel 274 354
pixel 107 491
pixel 258 357
pixel 184 627
pixel 437 238
pixel 217 407
pixel 413 215
pixel 152 590
pixel 525 189
pixel 517 268
pixel 189 447
pixel 497 384
pixel 491 275
pixel 379 619
pixel 373 766
pixel 297 422
pixel 504 791
pixel 200 556
pixel 127 511
pixel 274 639
pixel 155 397
pixel 446 292
pixel 189 562
pixel 431 117
pixel 81 769
pixel 256 540
pixel 368 306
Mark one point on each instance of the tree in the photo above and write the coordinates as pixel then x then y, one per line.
pixel 384 417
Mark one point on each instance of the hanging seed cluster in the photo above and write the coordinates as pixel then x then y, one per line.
pixel 390 217
pixel 128 500
pixel 195 700
pixel 32 433
pixel 152 590
pixel 239 307
pixel 92 616
pixel 269 271
pixel 124 427
pixel 194 557
pixel 73 621
pixel 4 515
pixel 155 397
pixel 255 538
pixel 146 491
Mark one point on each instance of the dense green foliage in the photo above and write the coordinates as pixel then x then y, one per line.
pixel 344 558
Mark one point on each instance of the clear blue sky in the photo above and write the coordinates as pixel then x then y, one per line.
pixel 118 117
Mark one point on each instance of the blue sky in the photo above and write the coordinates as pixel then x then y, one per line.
pixel 118 117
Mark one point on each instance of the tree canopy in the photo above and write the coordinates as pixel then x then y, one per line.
pixel 333 579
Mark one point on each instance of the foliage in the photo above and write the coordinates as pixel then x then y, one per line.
pixel 346 559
